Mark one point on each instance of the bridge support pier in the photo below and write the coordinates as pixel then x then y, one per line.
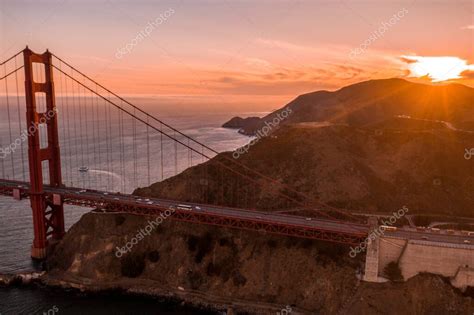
pixel 371 273
pixel 48 216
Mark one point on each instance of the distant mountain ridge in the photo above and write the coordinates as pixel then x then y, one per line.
pixel 375 101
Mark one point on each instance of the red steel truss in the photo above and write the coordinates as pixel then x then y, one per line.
pixel 126 204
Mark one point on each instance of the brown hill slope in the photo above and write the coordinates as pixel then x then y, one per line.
pixel 211 265
pixel 359 169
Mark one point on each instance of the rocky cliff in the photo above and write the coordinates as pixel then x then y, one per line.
pixel 250 271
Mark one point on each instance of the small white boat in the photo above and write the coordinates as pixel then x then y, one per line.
pixel 83 169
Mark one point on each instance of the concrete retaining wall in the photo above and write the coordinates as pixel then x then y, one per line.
pixel 438 258
pixel 455 261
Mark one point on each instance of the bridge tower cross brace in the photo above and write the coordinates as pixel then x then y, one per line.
pixel 48 215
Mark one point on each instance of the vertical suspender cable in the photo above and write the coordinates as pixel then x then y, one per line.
pixel 63 145
pixel 175 155
pixel 86 130
pixel 161 149
pixel 90 109
pixel 2 158
pixel 80 127
pixel 97 117
pixel 122 150
pixel 108 131
pixel 148 150
pixel 134 147
pixel 189 155
pixel 9 122
pixel 22 152
pixel 68 130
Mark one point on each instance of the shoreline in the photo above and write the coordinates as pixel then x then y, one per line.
pixel 144 288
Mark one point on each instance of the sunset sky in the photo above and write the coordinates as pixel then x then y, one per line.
pixel 265 52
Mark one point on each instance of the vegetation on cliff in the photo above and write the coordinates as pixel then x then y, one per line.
pixel 240 268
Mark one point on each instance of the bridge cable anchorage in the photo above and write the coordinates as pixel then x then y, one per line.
pixel 180 142
pixel 212 150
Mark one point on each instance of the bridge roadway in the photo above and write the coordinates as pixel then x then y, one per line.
pixel 427 235
pixel 314 228
pixel 325 229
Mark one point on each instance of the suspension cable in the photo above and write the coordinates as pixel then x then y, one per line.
pixel 122 110
pixel 14 56
pixel 212 150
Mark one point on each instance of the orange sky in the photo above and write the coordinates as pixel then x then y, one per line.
pixel 261 53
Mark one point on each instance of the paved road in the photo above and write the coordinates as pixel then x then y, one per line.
pixel 259 216
pixel 427 235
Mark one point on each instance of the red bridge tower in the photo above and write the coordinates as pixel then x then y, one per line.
pixel 48 215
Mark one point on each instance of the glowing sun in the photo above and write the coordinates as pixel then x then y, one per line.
pixel 437 68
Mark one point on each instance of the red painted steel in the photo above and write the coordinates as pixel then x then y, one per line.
pixel 349 236
pixel 45 222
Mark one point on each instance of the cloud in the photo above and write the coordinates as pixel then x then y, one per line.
pixel 468 27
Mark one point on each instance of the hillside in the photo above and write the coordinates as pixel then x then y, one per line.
pixel 398 162
pixel 376 101
pixel 253 272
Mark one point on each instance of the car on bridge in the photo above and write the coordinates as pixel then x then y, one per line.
pixel 388 228
pixel 184 207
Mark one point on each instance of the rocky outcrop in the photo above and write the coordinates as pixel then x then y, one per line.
pixel 243 124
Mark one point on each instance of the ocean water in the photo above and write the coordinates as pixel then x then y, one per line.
pixel 16 231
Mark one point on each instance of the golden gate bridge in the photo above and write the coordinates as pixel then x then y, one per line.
pixel 58 124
